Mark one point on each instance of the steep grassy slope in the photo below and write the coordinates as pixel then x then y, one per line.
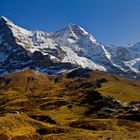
pixel 65 107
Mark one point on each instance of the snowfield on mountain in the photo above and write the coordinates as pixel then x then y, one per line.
pixel 63 50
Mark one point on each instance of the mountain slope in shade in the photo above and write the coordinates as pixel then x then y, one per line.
pixel 62 50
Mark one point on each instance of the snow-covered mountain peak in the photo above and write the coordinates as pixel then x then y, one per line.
pixel 73 32
pixel 76 28
pixel 31 41
pixel 17 31
pixel 2 18
pixel 72 44
pixel 5 21
pixel 79 32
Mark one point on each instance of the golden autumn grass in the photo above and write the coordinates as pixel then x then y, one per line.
pixel 41 107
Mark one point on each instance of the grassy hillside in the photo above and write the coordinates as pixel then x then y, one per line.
pixel 66 107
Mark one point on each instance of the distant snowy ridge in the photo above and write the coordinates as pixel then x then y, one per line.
pixel 63 50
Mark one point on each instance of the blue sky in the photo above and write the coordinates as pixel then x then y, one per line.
pixel 109 21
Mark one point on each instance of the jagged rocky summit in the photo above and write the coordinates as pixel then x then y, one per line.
pixel 64 50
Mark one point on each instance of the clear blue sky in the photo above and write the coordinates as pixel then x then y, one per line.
pixel 110 21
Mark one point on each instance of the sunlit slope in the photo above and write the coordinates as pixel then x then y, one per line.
pixel 65 107
pixel 123 89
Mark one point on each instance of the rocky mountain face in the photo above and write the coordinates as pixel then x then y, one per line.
pixel 66 49
pixel 21 48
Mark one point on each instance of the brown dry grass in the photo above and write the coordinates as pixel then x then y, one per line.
pixel 65 101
